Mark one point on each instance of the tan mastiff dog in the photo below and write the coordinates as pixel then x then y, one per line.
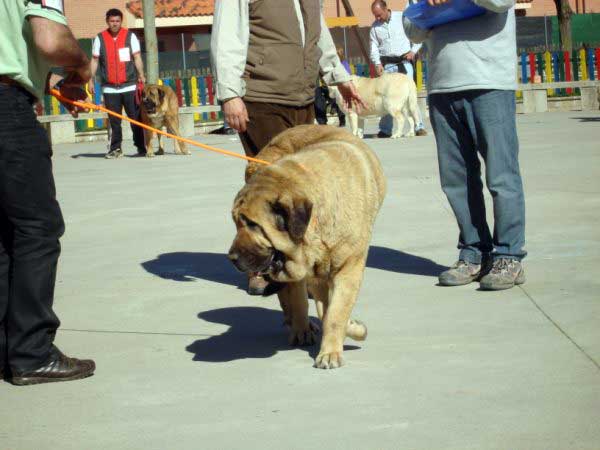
pixel 160 108
pixel 306 221
pixel 391 93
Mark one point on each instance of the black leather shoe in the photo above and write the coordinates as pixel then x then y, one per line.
pixel 58 368
pixel 382 135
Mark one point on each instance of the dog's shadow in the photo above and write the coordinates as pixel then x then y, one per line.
pixel 253 333
pixel 215 267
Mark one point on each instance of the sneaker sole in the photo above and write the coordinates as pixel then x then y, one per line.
pixel 20 381
pixel 450 283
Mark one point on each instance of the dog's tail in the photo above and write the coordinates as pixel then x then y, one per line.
pixel 356 330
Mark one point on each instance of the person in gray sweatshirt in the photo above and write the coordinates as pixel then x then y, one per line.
pixel 471 91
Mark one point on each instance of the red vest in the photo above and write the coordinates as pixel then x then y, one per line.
pixel 113 70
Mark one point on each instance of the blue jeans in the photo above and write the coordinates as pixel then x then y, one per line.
pixel 465 124
pixel 386 123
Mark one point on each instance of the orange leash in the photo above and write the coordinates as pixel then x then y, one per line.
pixel 86 105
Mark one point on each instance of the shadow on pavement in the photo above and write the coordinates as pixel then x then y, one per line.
pixel 587 119
pixel 88 155
pixel 189 266
pixel 253 333
pixel 384 258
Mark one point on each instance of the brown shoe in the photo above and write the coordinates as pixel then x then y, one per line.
pixel 421 132
pixel 58 368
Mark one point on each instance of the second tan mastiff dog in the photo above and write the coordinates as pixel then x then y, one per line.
pixel 160 108
pixel 306 220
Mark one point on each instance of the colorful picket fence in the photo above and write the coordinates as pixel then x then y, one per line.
pixel 190 91
pixel 548 67
pixel 542 67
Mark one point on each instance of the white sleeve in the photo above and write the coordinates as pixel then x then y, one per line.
pixel 375 58
pixel 135 44
pixel 229 47
pixel 96 48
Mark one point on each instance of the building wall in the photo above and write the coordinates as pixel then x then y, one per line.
pixel 86 17
pixel 362 8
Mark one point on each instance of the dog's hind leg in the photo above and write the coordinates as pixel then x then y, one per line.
pixel 398 116
pixel 173 128
pixel 295 299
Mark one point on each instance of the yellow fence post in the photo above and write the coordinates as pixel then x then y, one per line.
pixel 548 70
pixel 194 84
pixel 419 75
pixel 583 64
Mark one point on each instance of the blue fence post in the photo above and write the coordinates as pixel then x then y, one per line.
pixel 524 68
pixel 590 64
pixel 556 71
pixel 202 92
pixel 98 123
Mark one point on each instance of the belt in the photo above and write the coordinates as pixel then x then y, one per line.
pixel 8 81
pixel 393 59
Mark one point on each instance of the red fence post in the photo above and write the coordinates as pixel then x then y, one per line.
pixel 211 95
pixel 598 64
pixel 532 67
pixel 178 91
pixel 568 71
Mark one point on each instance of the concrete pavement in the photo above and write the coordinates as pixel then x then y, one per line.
pixel 186 360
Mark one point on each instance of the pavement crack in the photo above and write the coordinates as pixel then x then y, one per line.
pixel 559 328
pixel 149 333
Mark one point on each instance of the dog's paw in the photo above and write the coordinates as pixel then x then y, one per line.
pixel 161 151
pixel 409 135
pixel 395 136
pixel 331 360
pixel 307 336
pixel 149 155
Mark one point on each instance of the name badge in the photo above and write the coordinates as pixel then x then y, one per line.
pixel 124 54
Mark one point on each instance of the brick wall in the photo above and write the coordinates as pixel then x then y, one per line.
pixel 86 17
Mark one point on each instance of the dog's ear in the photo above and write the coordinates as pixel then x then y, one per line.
pixel 161 94
pixel 293 215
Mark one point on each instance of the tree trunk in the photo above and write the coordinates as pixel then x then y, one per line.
pixel 564 13
pixel 151 42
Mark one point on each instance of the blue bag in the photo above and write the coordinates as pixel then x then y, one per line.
pixel 426 16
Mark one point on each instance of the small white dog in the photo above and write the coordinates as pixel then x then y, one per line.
pixel 391 93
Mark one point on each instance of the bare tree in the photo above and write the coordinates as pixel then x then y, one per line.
pixel 564 13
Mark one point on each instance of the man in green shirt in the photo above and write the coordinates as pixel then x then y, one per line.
pixel 33 36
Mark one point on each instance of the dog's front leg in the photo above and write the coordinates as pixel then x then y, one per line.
pixel 344 290
pixel 148 136
pixel 295 299
pixel 353 119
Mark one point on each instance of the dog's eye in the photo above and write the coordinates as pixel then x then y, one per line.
pixel 249 223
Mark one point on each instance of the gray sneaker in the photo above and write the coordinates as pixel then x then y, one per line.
pixel 114 154
pixel 462 272
pixel 505 273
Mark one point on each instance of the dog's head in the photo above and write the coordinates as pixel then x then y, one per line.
pixel 271 225
pixel 153 98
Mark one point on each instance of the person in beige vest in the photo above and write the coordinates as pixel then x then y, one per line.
pixel 267 56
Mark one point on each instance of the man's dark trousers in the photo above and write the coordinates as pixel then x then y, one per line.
pixel 116 102
pixel 30 225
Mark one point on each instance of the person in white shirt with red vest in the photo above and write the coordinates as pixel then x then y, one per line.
pixel 116 52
